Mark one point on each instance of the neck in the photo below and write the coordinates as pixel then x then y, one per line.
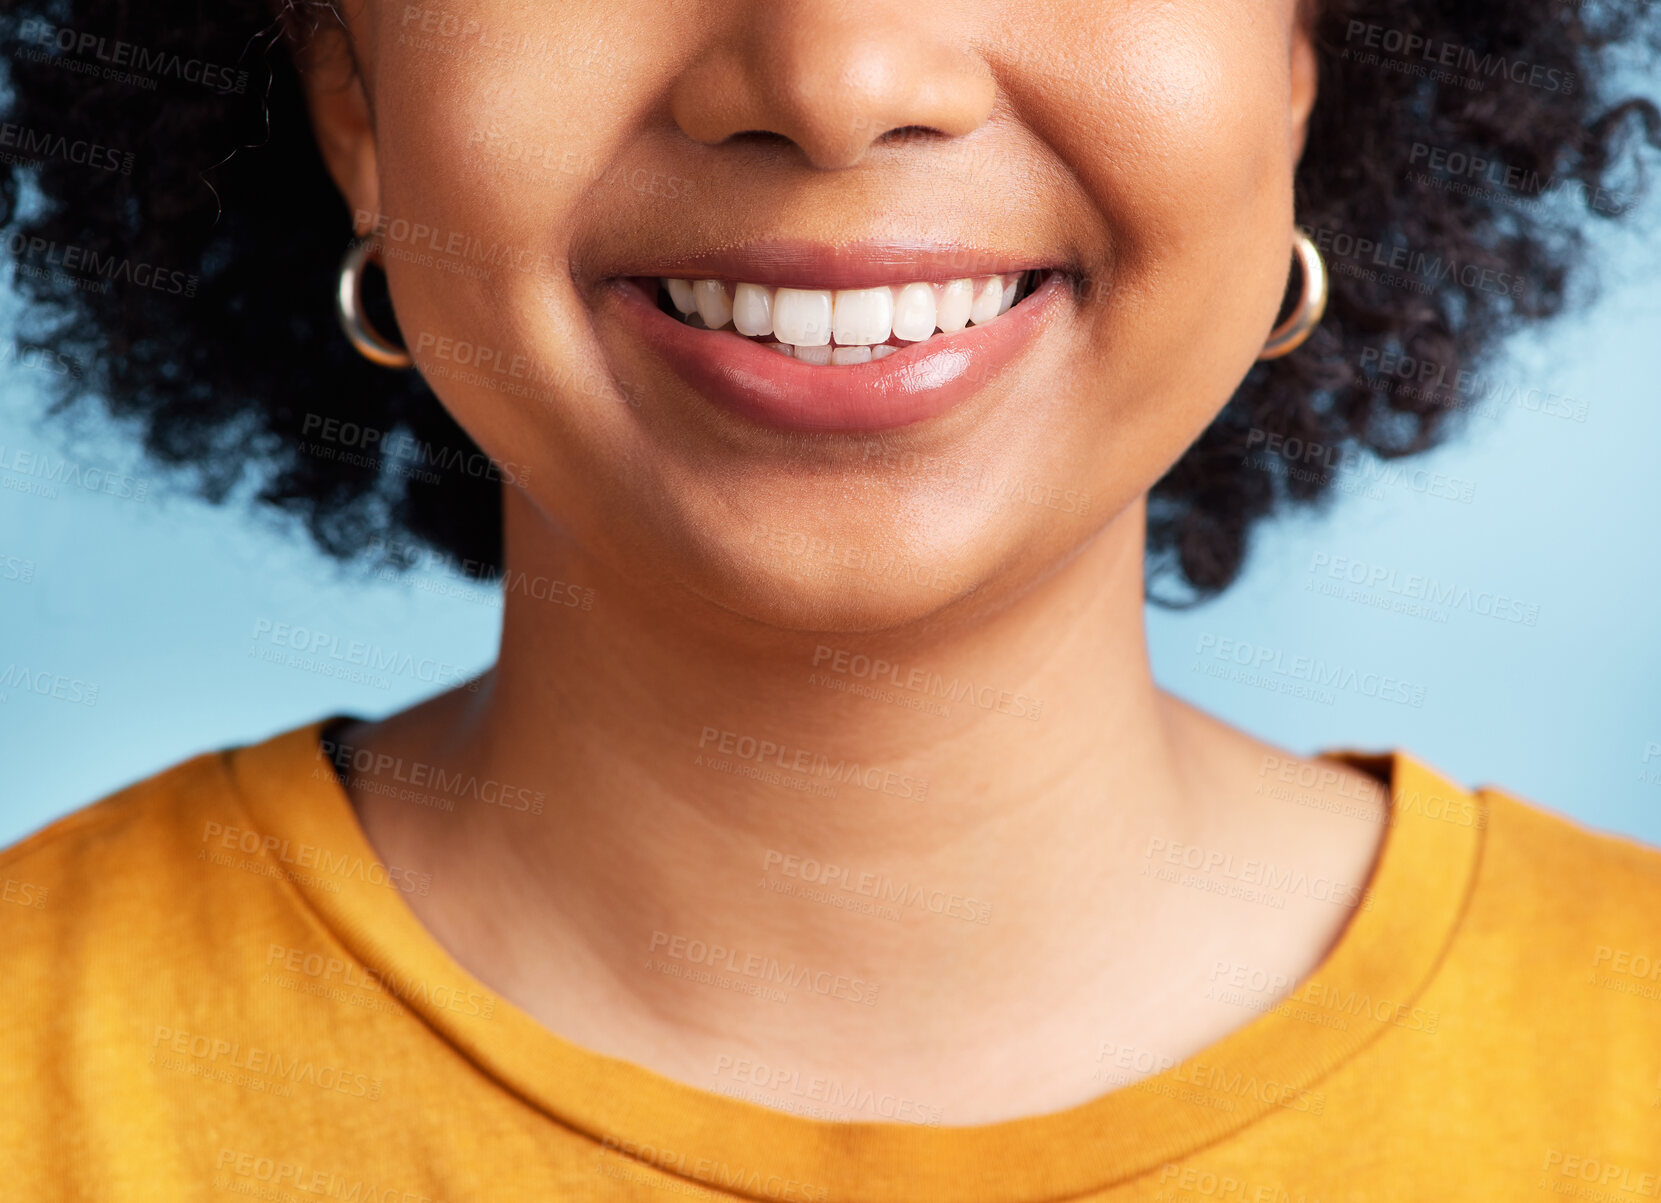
pixel 894 812
pixel 671 716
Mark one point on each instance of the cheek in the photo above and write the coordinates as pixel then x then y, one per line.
pixel 516 122
pixel 487 160
pixel 1183 145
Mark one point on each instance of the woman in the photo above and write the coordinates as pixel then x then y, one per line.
pixel 819 381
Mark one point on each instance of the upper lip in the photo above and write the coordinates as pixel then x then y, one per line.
pixel 804 264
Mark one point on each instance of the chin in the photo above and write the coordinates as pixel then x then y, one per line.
pixel 778 575
pixel 875 569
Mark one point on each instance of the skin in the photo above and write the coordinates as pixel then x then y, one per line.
pixel 1146 147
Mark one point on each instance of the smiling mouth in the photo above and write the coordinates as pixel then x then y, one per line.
pixel 848 326
pixel 846 339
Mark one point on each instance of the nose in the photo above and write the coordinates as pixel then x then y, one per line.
pixel 833 77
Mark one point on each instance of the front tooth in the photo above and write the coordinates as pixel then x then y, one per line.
pixel 680 292
pixel 752 310
pixel 863 316
pixel 957 300
pixel 781 348
pixel 802 318
pixel 883 350
pixel 847 355
pixel 714 305
pixel 1009 295
pixel 820 354
pixel 988 297
pixel 914 313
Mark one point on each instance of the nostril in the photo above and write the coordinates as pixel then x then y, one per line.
pixel 908 133
pixel 763 137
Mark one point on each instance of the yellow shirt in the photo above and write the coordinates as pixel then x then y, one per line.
pixel 213 988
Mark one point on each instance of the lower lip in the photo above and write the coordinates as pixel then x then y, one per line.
pixel 917 382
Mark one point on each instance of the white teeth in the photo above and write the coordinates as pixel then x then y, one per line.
pixel 752 310
pixel 820 354
pixel 802 317
pixel 863 316
pixel 714 305
pixel 956 301
pixel 844 326
pixel 989 295
pixel 680 292
pixel 914 313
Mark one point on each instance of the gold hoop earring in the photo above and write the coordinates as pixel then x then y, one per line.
pixel 1301 322
pixel 370 342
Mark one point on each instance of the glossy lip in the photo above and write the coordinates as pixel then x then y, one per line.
pixel 919 381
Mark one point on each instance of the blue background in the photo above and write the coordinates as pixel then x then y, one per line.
pixel 156 600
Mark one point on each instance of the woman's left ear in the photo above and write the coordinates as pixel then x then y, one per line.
pixel 1305 75
pixel 342 122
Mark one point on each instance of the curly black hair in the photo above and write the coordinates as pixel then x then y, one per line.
pixel 176 239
